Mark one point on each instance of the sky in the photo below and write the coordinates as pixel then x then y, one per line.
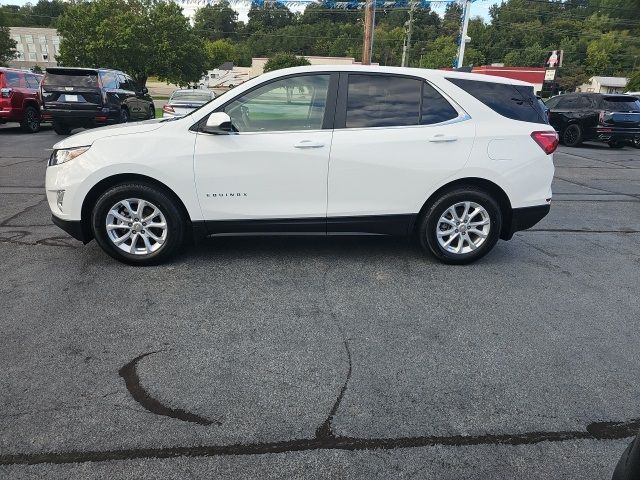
pixel 478 8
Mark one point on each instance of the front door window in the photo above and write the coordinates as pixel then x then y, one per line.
pixel 295 103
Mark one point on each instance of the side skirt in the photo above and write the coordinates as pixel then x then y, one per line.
pixel 397 225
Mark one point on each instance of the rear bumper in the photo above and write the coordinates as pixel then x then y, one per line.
pixel 73 228
pixel 523 218
pixel 10 115
pixel 79 117
pixel 611 133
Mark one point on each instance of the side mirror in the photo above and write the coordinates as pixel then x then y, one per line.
pixel 145 90
pixel 219 123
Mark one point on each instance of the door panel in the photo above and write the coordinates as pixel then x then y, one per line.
pixel 275 167
pixel 262 175
pixel 381 171
pixel 409 139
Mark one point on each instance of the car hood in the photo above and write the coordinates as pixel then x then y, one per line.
pixel 87 137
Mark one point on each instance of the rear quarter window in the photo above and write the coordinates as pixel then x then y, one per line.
pixel 516 102
pixel 11 79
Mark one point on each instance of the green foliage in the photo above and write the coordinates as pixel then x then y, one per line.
pixel 142 38
pixel 634 82
pixel 221 51
pixel 36 69
pixel 43 14
pixel 214 22
pixel 284 60
pixel 7 46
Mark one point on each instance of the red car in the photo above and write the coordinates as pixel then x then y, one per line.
pixel 20 98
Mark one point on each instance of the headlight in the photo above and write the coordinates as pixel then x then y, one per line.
pixel 65 154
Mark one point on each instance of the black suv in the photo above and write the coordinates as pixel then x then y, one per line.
pixel 610 118
pixel 90 97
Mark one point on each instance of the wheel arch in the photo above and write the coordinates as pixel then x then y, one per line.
pixel 482 183
pixel 103 185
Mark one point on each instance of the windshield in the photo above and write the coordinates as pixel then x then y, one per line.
pixel 80 79
pixel 621 104
pixel 191 96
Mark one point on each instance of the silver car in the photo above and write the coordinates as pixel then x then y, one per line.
pixel 183 102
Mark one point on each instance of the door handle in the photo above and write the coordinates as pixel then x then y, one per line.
pixel 442 138
pixel 308 144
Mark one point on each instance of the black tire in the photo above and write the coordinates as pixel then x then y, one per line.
pixel 616 144
pixel 124 116
pixel 428 226
pixel 636 142
pixel 175 221
pixel 31 120
pixel 152 111
pixel 61 128
pixel 572 136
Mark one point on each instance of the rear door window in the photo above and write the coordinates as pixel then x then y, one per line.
pixel 382 101
pixel 109 80
pixel 516 102
pixel 33 81
pixel 435 108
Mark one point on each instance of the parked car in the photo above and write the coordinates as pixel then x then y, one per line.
pixel 19 98
pixel 610 118
pixel 457 160
pixel 91 97
pixel 543 107
pixel 182 102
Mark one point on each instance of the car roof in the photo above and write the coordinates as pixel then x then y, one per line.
pixel 88 69
pixel 417 72
pixel 182 90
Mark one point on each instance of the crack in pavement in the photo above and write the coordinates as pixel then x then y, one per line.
pixel 593 431
pixel 140 395
pixel 5 222
pixel 15 237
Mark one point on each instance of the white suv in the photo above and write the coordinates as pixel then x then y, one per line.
pixel 456 159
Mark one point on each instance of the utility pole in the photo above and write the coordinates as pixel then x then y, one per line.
pixel 407 38
pixel 466 9
pixel 369 20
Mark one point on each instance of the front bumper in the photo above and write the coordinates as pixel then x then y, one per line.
pixel 523 218
pixel 73 228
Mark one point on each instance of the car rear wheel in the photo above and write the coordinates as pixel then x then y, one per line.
pixel 461 226
pixel 138 224
pixel 572 136
pixel 31 121
pixel 636 142
pixel 124 115
pixel 152 111
pixel 616 144
pixel 61 128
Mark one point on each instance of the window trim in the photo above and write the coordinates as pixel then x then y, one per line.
pixel 343 89
pixel 329 111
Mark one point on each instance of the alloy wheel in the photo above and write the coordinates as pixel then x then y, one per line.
pixel 136 226
pixel 463 227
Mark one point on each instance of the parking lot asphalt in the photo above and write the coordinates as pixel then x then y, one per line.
pixel 318 358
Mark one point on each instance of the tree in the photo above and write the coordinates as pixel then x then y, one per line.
pixel 284 60
pixel 7 46
pixel 439 53
pixel 269 17
pixel 214 22
pixel 36 69
pixel 634 82
pixel 222 51
pixel 136 36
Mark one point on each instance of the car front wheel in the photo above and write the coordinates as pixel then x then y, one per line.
pixel 138 224
pixel 461 226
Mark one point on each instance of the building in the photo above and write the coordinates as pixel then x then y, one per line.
pixel 604 85
pixel 534 75
pixel 36 46
pixel 257 64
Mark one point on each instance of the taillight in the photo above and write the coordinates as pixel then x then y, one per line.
pixel 168 108
pixel 6 92
pixel 548 141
